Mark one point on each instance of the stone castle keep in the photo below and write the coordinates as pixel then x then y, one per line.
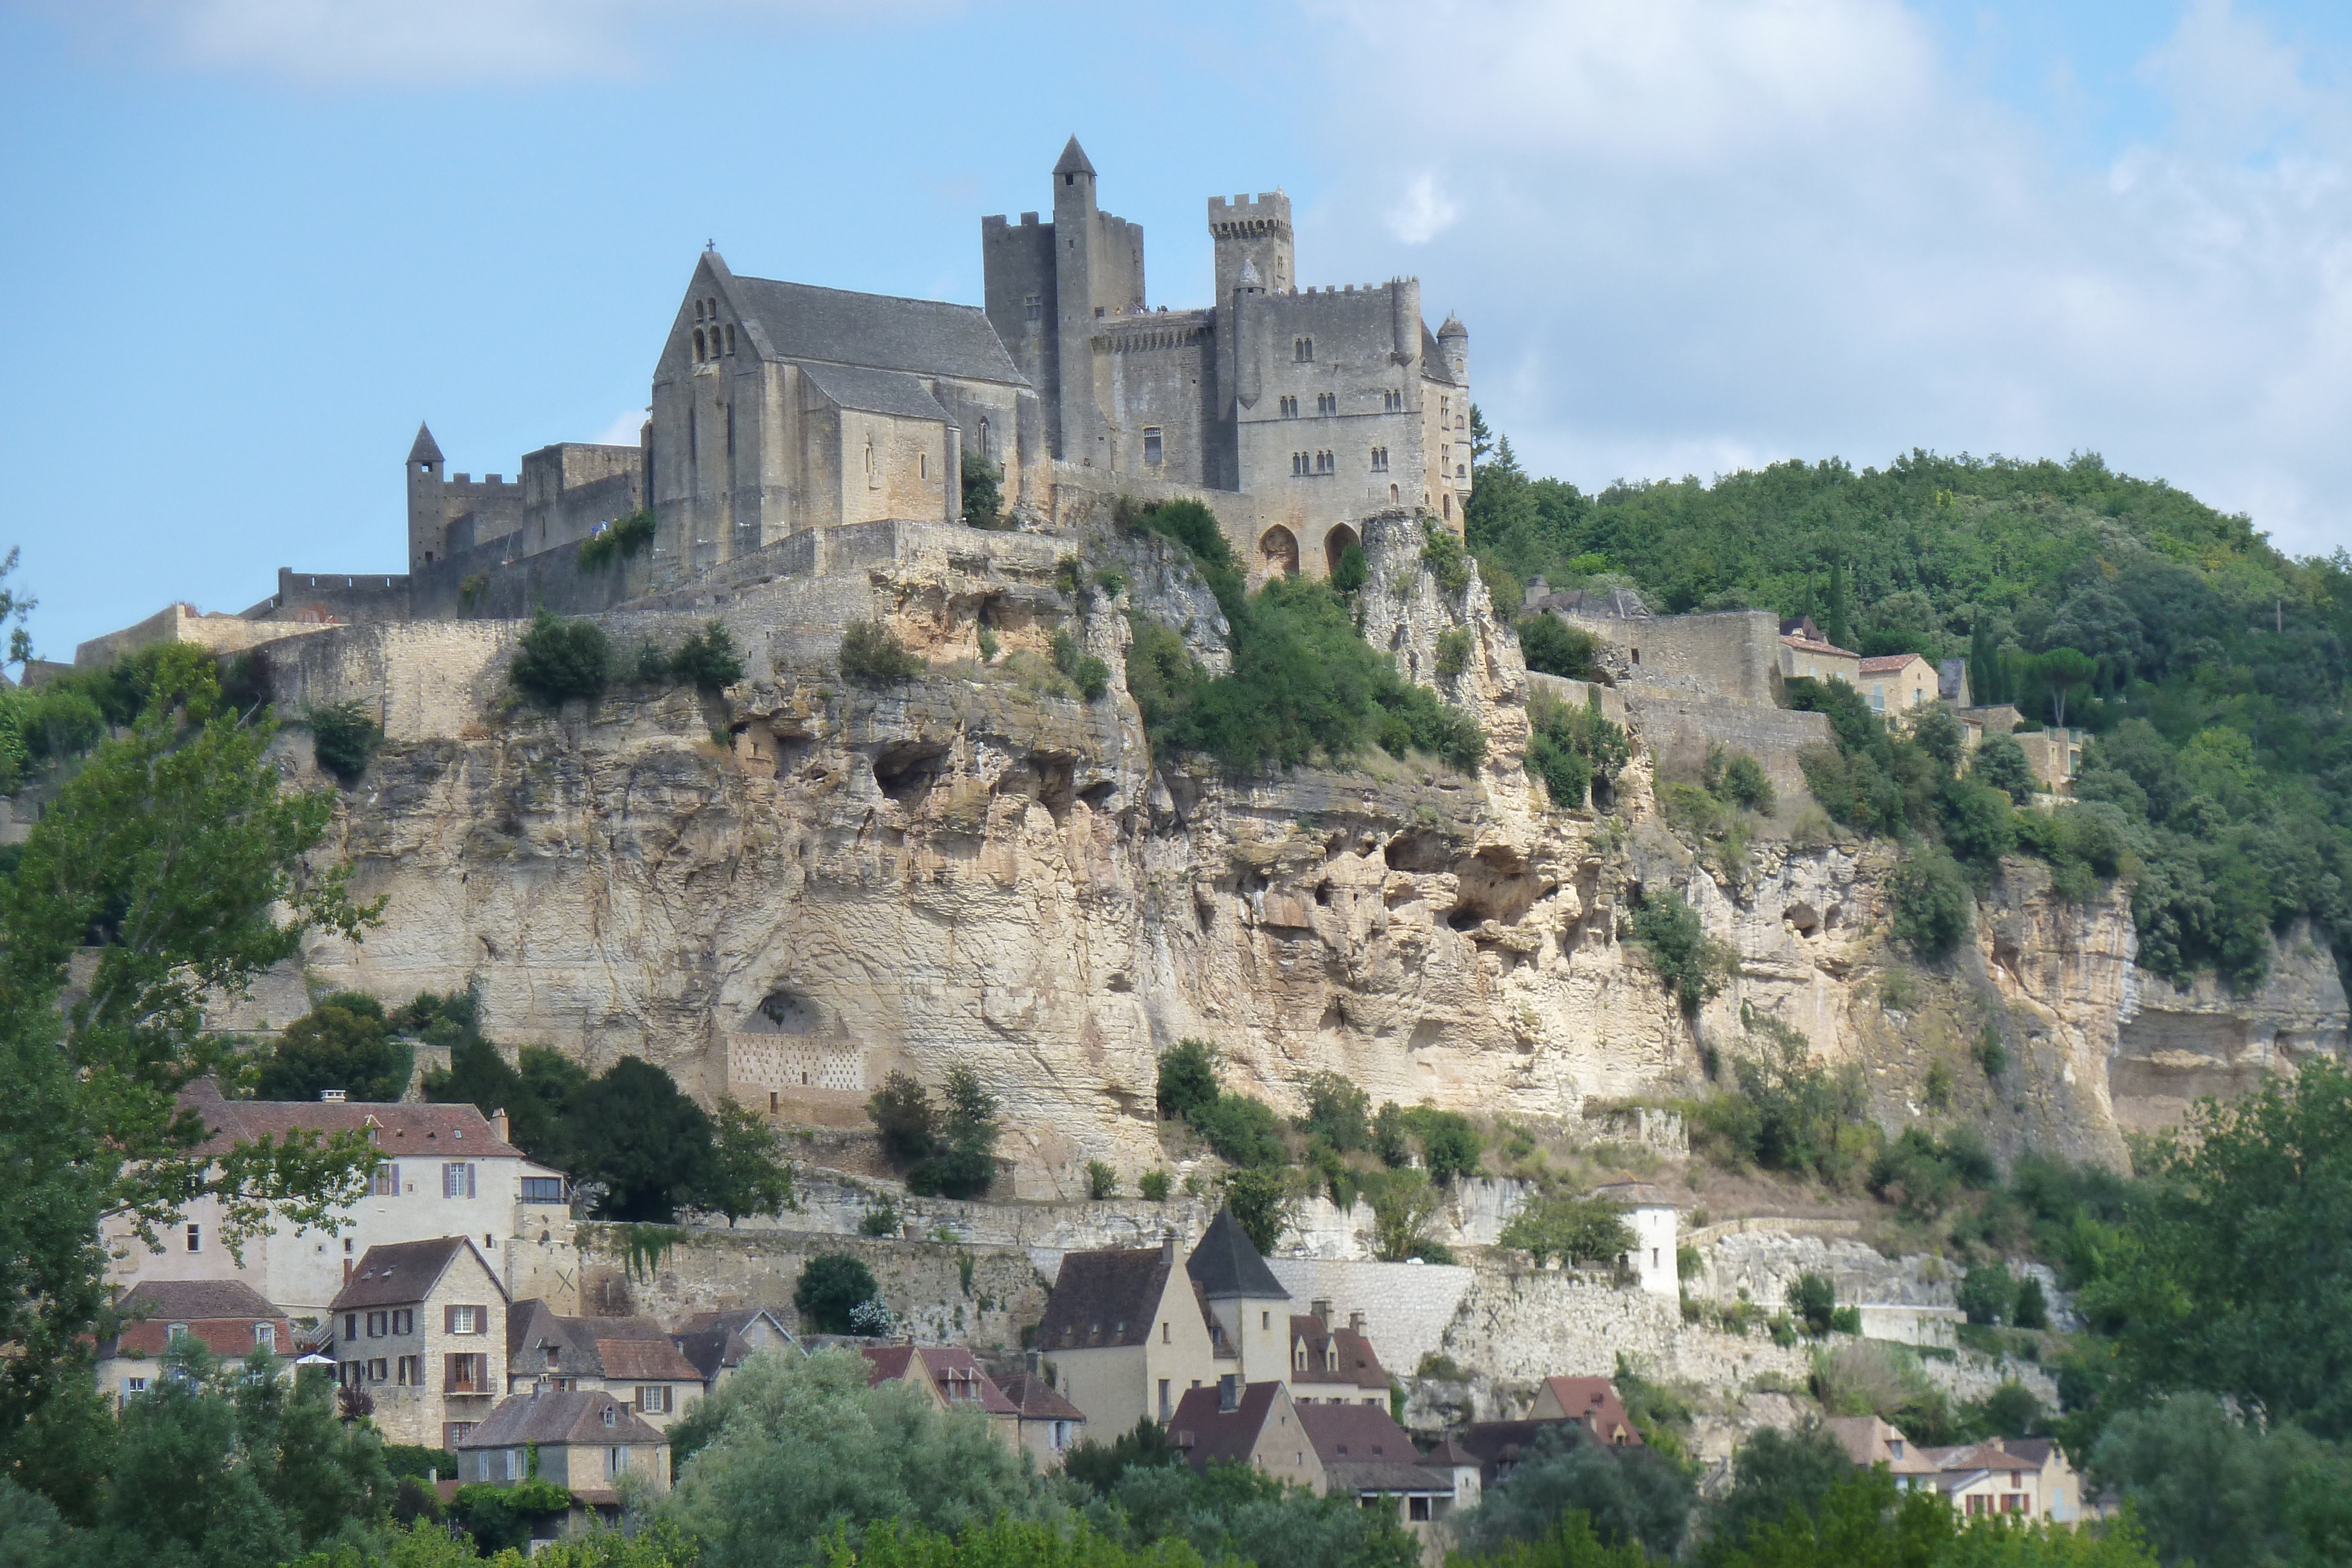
pixel 780 410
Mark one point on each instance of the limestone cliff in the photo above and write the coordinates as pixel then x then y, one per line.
pixel 789 891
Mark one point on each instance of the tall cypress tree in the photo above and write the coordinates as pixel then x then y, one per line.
pixel 1983 681
pixel 1837 631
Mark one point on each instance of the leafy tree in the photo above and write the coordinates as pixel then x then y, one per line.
pixel 1574 750
pixel 902 1114
pixel 631 1129
pixel 1573 1229
pixel 1570 1544
pixel 963 1161
pixel 341 1044
pixel 559 660
pixel 983 491
pixel 1628 1496
pixel 874 655
pixel 1552 646
pixel 1188 1077
pixel 2063 672
pixel 707 659
pixel 2032 1311
pixel 1933 905
pixel 1403 1203
pixel 830 1285
pixel 1694 966
pixel 1261 1204
pixel 1814 1302
pixel 2221 1494
pixel 2236 1276
pixel 1238 1513
pixel 1339 1112
pixel 1739 779
pixel 804 1448
pixel 1986 1294
pixel 2000 762
pixel 174 859
pixel 1352 570
pixel 1100 1465
pixel 1243 1131
pixel 1788 1114
pixel 537 1095
pixel 342 738
pixel 746 1174
pixel 1773 1474
pixel 1838 628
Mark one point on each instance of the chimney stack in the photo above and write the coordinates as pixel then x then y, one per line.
pixel 498 1124
pixel 1036 1364
pixel 1167 1247
pixel 1229 1392
pixel 332 1096
pixel 1356 1322
pixel 1322 1311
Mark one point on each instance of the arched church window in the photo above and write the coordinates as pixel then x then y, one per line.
pixel 987 453
pixel 731 337
pixel 698 355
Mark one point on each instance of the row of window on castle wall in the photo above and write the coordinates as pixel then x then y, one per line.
pixel 708 340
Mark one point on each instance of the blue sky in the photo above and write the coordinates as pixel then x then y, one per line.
pixel 252 242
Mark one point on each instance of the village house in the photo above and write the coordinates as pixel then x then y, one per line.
pixel 1126 1334
pixel 1049 1424
pixel 1255 1425
pixel 421 1331
pixel 718 1344
pixel 585 1441
pixel 1896 683
pixel 1871 1442
pixel 1366 1455
pixel 1334 1365
pixel 1590 1402
pixel 952 1377
pixel 225 1316
pixel 446 1170
pixel 636 1360
pixel 1651 1216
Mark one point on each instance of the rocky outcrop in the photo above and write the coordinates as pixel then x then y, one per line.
pixel 788 891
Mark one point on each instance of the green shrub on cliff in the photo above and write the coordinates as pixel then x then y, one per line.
pixel 560 659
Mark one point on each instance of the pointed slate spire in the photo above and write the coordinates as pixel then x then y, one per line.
pixel 1073 160
pixel 1225 1265
pixel 1452 328
pixel 424 450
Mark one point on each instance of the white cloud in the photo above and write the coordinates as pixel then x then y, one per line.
pixel 1716 232
pixel 627 426
pixel 320 43
pixel 1423 214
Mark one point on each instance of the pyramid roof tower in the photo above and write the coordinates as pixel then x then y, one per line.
pixel 1225 1265
pixel 425 450
pixel 1073 160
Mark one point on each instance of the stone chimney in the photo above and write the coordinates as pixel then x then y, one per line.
pixel 1229 1392
pixel 1356 1322
pixel 1167 1247
pixel 1322 1311
pixel 498 1126
pixel 333 1096
pixel 1036 1364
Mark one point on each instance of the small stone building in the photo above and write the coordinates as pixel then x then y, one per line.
pixel 228 1317
pixel 636 1360
pixel 587 1442
pixel 421 1331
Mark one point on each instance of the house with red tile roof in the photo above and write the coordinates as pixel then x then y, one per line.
pixel 228 1317
pixel 1255 1425
pixel 1896 684
pixel 443 1170
pixel 1334 1365
pixel 636 1360
pixel 952 1378
pixel 1590 1402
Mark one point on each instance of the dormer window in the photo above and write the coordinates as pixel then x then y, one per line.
pixel 612 1416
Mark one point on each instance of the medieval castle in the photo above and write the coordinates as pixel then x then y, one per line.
pixel 781 410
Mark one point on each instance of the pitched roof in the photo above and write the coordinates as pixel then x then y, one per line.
pixel 1205 1434
pixel 1105 1298
pixel 1634 1195
pixel 574 1416
pixel 1949 674
pixel 713 1350
pixel 1073 160
pixel 736 1320
pixel 1356 1433
pixel 893 393
pixel 1887 663
pixel 1449 1453
pixel 878 331
pixel 951 1370
pixel 186 1301
pixel 1593 1401
pixel 1868 1441
pixel 1038 1401
pixel 1807 645
pixel 1497 1443
pixel 1358 1364
pixel 1227 1265
pixel 645 1361
pixel 455 1132
pixel 424 450
pixel 403 1272
pixel 1433 358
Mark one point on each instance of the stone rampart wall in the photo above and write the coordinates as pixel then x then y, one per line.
pixel 1678 730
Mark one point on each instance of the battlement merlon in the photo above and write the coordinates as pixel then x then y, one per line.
pixel 1270 212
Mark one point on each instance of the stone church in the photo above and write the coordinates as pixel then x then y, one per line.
pixel 782 407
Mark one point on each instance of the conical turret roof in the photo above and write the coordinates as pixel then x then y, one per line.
pixel 1226 1265
pixel 1073 160
pixel 1452 328
pixel 424 450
